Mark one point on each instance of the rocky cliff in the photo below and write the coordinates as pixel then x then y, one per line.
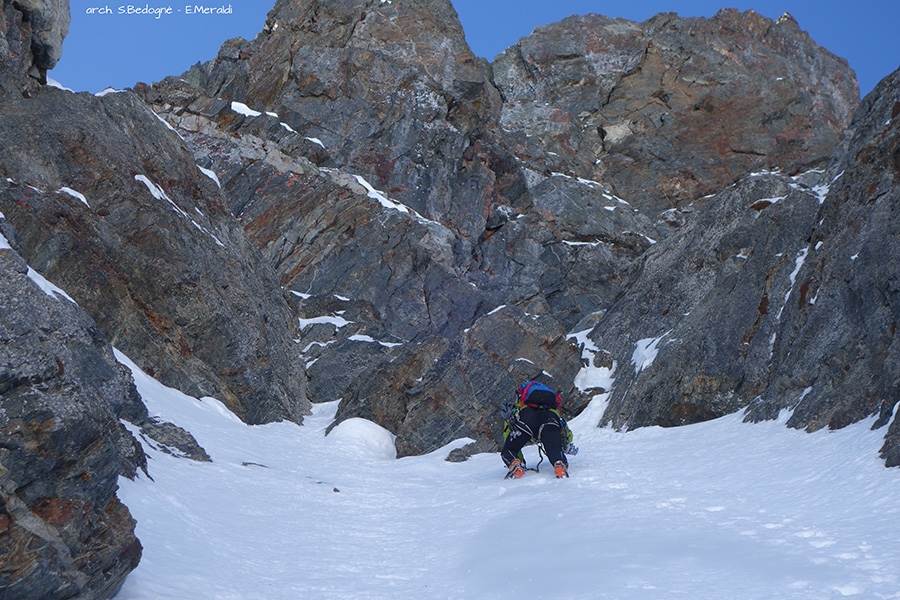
pixel 113 209
pixel 353 206
pixel 63 445
pixel 99 196
pixel 780 295
pixel 63 531
pixel 838 359
pixel 111 206
pixel 446 223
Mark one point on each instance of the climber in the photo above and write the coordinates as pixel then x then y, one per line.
pixel 534 415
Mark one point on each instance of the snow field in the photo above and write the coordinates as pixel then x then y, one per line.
pixel 717 510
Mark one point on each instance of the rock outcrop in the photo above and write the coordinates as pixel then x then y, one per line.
pixel 673 109
pixel 63 395
pixel 111 207
pixel 31 37
pixel 63 531
pixel 693 337
pixel 780 296
pixel 838 356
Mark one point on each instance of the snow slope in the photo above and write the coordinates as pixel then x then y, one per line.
pixel 710 511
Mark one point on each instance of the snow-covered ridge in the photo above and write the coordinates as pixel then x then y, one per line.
pixel 49 288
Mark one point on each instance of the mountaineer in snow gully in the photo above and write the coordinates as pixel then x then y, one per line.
pixel 534 415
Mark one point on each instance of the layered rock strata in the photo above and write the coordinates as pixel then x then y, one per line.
pixel 63 531
pixel 405 189
pixel 112 207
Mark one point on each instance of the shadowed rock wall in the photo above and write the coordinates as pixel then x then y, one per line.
pixel 405 189
pixel 63 531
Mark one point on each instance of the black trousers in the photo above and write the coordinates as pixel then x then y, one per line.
pixel 537 423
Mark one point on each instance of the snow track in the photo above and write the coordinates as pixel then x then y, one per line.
pixel 717 510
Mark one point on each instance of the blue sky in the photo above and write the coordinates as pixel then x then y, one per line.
pixel 118 50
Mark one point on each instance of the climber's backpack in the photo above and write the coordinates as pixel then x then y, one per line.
pixel 537 395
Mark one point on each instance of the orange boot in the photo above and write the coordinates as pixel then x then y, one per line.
pixel 561 470
pixel 516 469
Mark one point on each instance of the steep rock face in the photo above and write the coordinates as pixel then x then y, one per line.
pixel 305 192
pixel 325 231
pixel 780 295
pixel 391 90
pixel 63 394
pixel 31 36
pixel 673 109
pixel 376 285
pixel 693 337
pixel 63 531
pixel 404 190
pixel 111 207
pixel 838 354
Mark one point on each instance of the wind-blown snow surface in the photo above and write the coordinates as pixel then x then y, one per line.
pixel 710 511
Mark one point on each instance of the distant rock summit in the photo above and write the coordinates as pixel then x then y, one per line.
pixel 668 111
pixel 683 217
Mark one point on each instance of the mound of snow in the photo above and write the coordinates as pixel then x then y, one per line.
pixel 358 438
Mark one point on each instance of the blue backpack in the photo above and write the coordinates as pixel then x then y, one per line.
pixel 537 395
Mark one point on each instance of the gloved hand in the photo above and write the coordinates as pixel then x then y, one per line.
pixel 570 449
pixel 507 409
